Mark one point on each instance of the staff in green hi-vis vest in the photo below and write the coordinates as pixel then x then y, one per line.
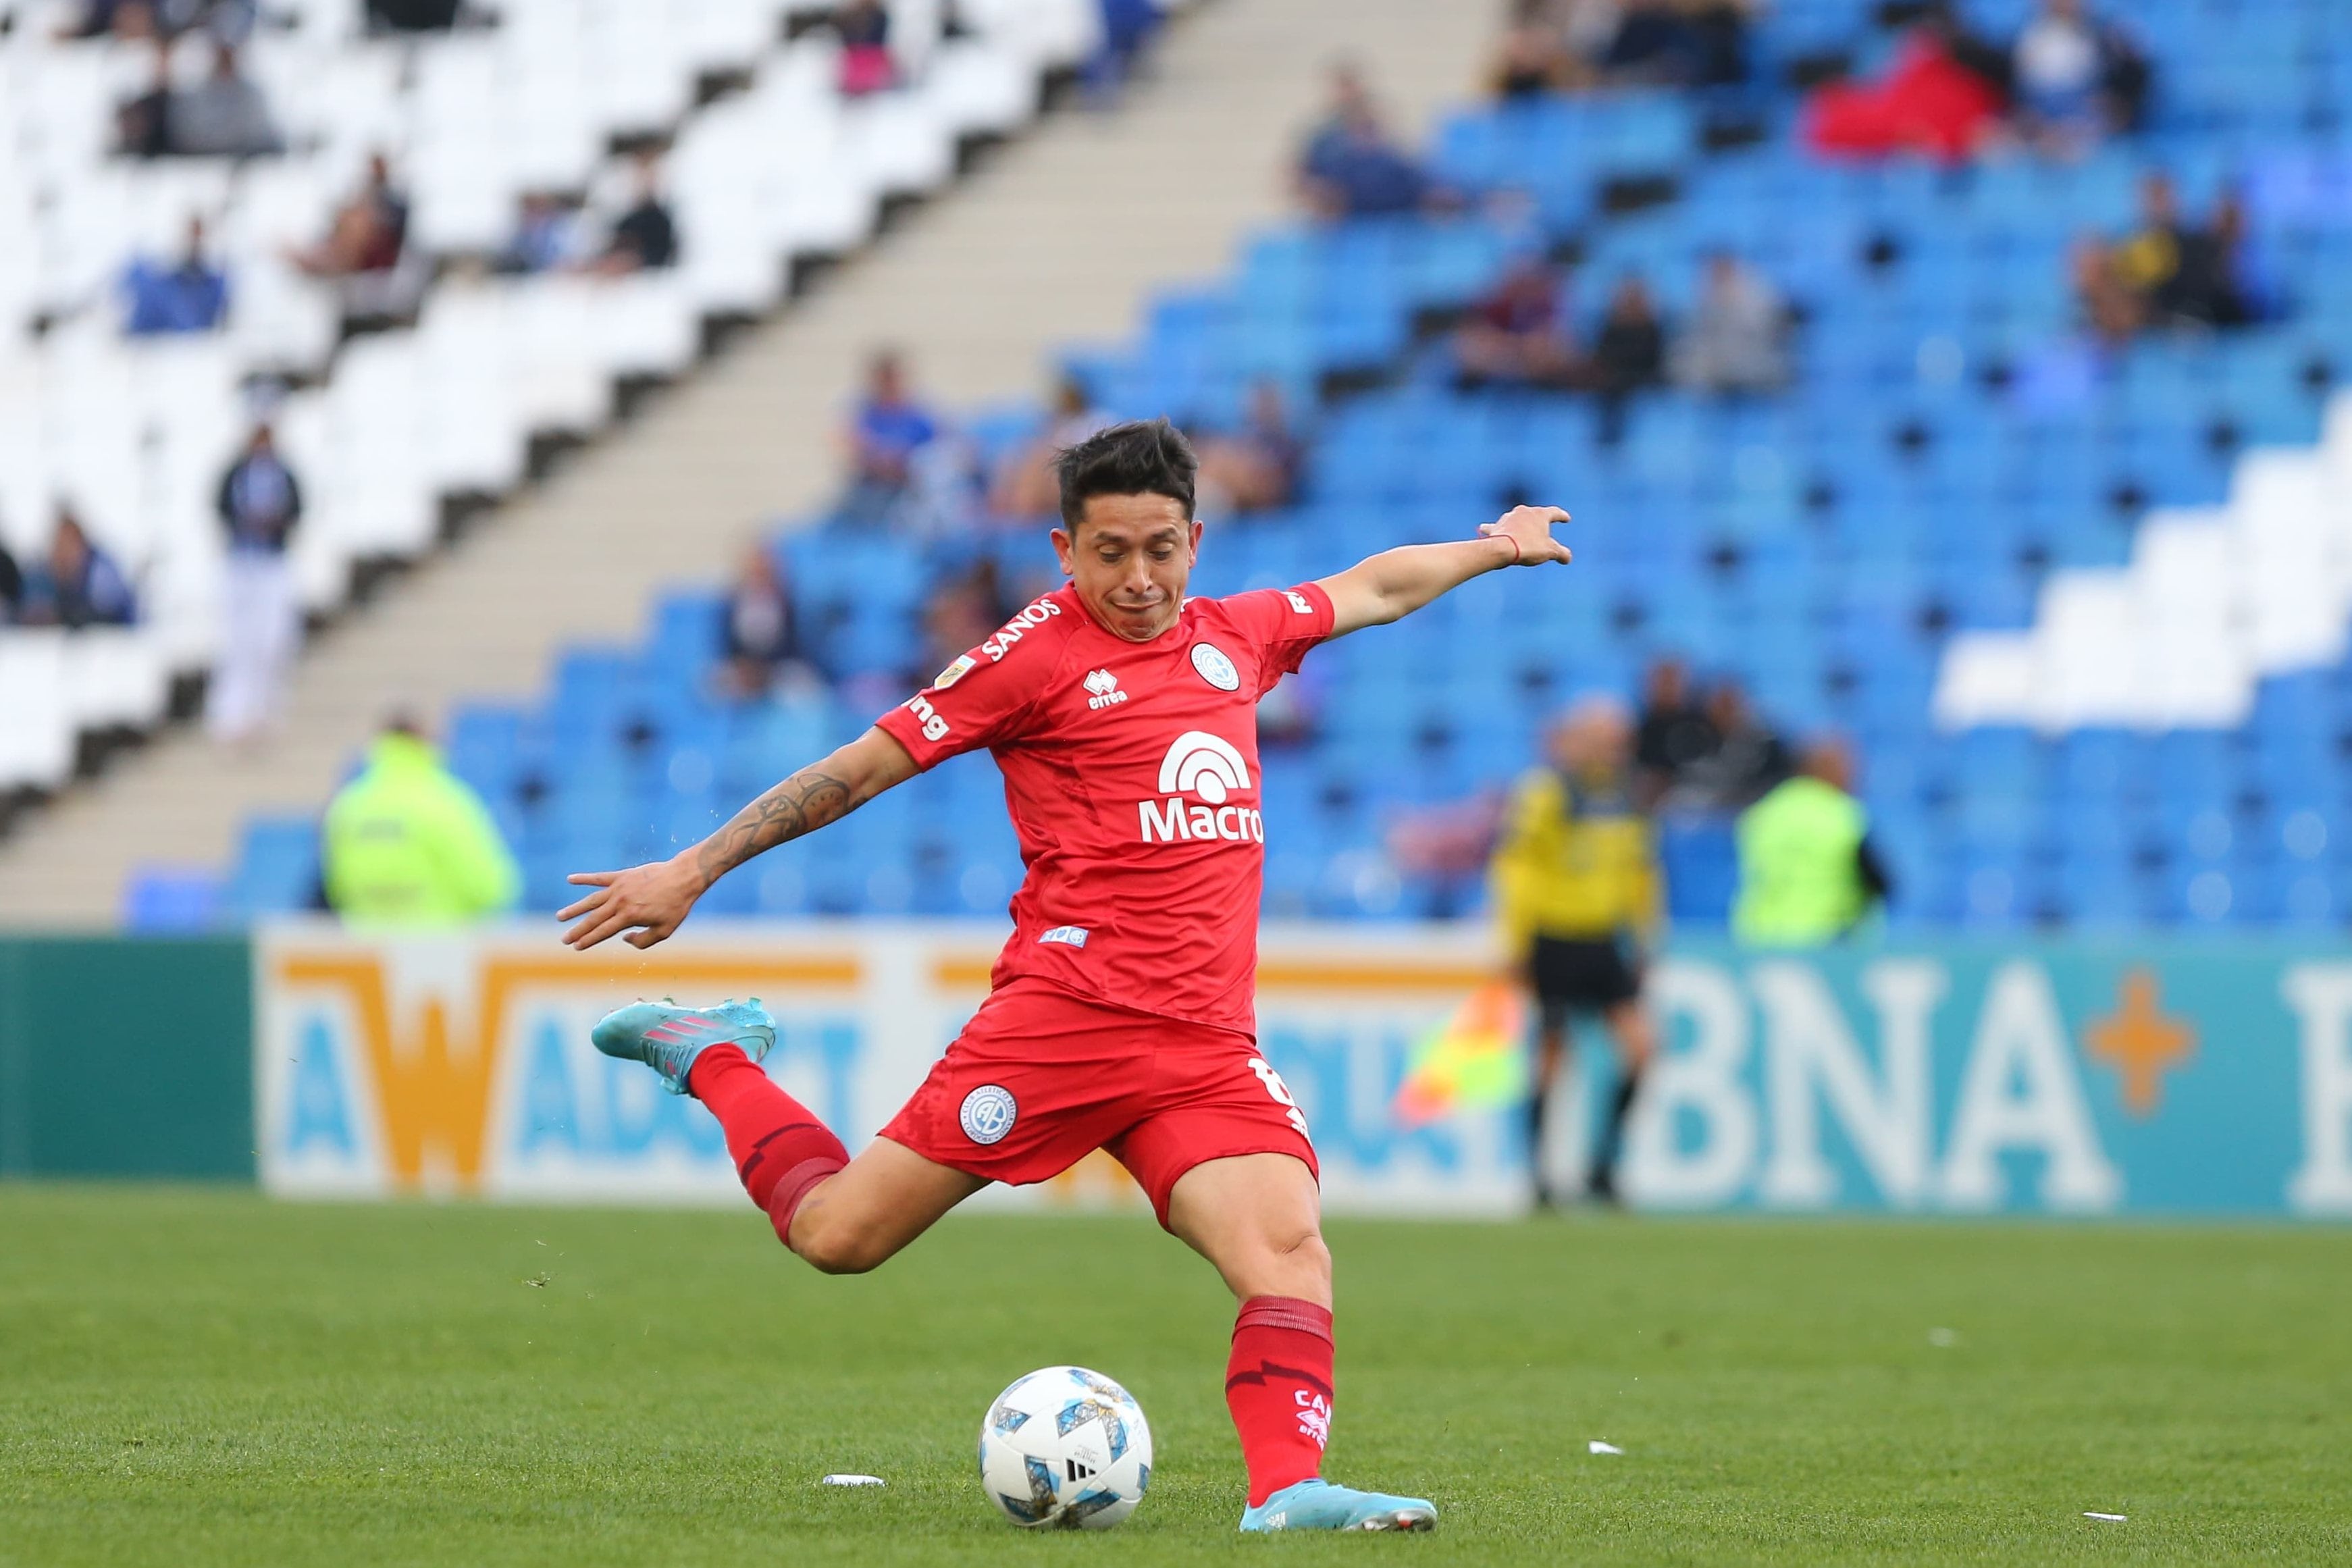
pixel 408 843
pixel 1808 873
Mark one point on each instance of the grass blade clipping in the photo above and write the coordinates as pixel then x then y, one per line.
pixel 1475 1060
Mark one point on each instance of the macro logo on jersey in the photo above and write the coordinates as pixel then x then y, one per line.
pixel 988 1112
pixel 1019 626
pixel 1199 763
pixel 1215 667
pixel 1103 691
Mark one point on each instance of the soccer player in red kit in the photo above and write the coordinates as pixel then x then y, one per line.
pixel 1121 1014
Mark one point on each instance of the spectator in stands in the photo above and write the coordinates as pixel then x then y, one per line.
pixel 889 429
pixel 223 115
pixel 1629 354
pixel 76 584
pixel 2179 274
pixel 12 586
pixel 2074 78
pixel 367 233
pixel 2244 288
pixel 1128 28
pixel 1518 331
pixel 1808 871
pixel 1748 758
pixel 761 641
pixel 962 612
pixel 1737 341
pixel 1255 467
pixel 1674 735
pixel 1533 57
pixel 190 295
pixel 546 236
pixel 128 20
pixel 142 123
pixel 408 843
pixel 2111 308
pixel 1351 167
pixel 867 65
pixel 1683 43
pixel 645 238
pixel 1577 892
pixel 1026 485
pixel 1935 100
pixel 259 504
pixel 412 15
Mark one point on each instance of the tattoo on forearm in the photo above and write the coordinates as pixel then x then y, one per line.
pixel 800 804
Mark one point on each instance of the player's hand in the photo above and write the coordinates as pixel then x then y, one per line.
pixel 1529 528
pixel 645 902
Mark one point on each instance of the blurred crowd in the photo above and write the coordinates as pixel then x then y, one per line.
pixel 2070 79
pixel 1574 46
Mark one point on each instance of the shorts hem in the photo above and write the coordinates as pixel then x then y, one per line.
pixel 1192 1163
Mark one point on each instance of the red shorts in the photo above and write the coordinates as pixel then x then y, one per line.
pixel 1040 1079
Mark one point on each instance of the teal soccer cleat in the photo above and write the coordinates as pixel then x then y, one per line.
pixel 667 1037
pixel 1319 1505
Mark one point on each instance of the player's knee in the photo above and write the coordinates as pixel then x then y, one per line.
pixel 1290 1260
pixel 1312 1258
pixel 832 1246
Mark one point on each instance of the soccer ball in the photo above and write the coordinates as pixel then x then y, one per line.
pixel 1065 1448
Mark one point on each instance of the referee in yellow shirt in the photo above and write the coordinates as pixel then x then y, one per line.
pixel 1576 885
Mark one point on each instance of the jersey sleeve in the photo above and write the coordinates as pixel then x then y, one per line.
pixel 974 702
pixel 1283 622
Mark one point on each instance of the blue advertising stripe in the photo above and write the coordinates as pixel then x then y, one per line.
pixel 2078 1077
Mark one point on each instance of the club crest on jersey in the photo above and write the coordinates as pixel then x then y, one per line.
pixel 1013 630
pixel 1209 767
pixel 962 667
pixel 1102 688
pixel 1215 667
pixel 988 1113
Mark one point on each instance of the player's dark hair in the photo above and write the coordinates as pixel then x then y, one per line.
pixel 1142 456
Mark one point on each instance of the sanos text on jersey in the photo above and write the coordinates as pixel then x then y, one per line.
pixel 1036 614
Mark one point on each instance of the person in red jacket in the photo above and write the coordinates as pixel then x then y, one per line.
pixel 1932 101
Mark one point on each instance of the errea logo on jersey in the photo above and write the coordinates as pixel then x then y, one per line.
pixel 1206 765
pixel 1036 614
pixel 1103 691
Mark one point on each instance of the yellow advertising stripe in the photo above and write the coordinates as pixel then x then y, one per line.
pixel 433 1069
pixel 682 968
pixel 1284 974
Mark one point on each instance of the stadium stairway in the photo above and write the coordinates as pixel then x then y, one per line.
pixel 1057 239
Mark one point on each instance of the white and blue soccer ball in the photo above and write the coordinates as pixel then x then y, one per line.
pixel 1064 1448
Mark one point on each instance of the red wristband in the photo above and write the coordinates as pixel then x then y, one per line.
pixel 1518 554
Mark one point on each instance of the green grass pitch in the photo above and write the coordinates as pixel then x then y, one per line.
pixel 195 1378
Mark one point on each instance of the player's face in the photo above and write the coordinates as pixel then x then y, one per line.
pixel 1129 558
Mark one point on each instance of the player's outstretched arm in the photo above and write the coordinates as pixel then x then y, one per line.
pixel 648 901
pixel 1395 582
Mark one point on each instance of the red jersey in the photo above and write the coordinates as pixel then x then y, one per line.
pixel 1131 772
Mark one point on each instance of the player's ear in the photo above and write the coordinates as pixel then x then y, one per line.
pixel 1193 533
pixel 1062 548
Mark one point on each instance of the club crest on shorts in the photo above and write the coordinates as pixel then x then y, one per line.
pixel 988 1112
pixel 1215 667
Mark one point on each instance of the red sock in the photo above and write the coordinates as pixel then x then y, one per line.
pixel 780 1148
pixel 1279 1386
